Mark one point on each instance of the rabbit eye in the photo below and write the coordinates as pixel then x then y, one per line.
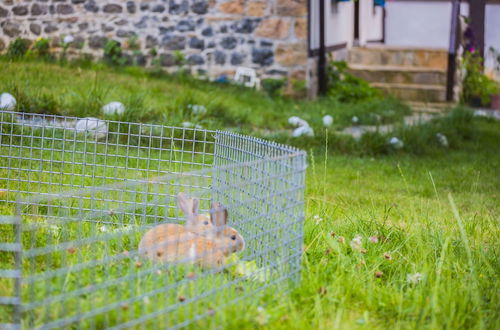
pixel 205 222
pixel 233 237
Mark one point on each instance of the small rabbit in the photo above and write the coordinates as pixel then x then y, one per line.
pixel 204 240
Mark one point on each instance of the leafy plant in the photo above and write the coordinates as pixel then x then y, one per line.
pixel 495 54
pixel 18 48
pixel 273 87
pixel 477 87
pixel 179 58
pixel 346 87
pixel 113 53
pixel 41 48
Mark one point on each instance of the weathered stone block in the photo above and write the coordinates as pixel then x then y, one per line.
pixel 219 57
pixel 131 7
pixel 262 56
pixel 195 59
pixel 199 7
pixel 167 60
pixel 207 32
pixel 301 28
pixel 97 42
pixel 64 9
pixel 50 28
pixel 125 34
pixel 232 7
pixel 83 26
pixel 186 25
pixel 151 42
pixel 37 9
pixel 158 9
pixel 237 58
pixel 274 28
pixel 256 8
pixel 20 10
pixel 174 42
pixel 112 8
pixel 91 6
pixel 196 43
pixel 35 28
pixel 178 8
pixel 229 42
pixel 291 54
pixel 292 8
pixel 3 12
pixel 245 25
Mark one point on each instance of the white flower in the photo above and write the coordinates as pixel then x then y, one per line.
pixel 297 121
pixel 356 243
pixel 303 131
pixel 414 278
pixel 373 239
pixel 396 143
pixel 54 230
pixel 103 229
pixel 197 109
pixel 355 119
pixel 7 102
pixel 262 316
pixel 318 219
pixel 327 120
pixel 442 139
pixel 189 124
pixel 68 39
pixel 113 108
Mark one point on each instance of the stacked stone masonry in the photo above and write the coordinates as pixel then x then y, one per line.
pixel 216 36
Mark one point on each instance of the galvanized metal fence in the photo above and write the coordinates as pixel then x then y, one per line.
pixel 78 195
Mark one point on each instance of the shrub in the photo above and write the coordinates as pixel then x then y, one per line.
pixel 41 48
pixel 18 48
pixel 113 53
pixel 477 87
pixel 273 87
pixel 346 87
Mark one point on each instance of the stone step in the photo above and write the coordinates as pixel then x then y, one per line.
pixel 399 74
pixel 413 57
pixel 414 92
pixel 430 107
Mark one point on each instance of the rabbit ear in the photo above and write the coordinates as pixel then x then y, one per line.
pixel 188 206
pixel 218 214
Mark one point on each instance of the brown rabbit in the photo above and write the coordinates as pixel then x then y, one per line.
pixel 205 240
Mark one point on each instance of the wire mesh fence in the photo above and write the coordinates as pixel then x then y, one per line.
pixel 78 198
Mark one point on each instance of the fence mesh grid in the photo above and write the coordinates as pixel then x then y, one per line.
pixel 78 195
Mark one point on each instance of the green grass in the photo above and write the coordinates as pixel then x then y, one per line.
pixel 434 211
pixel 81 90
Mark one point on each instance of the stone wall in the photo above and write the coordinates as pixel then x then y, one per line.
pixel 216 36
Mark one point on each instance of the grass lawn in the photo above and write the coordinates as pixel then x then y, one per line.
pixel 402 241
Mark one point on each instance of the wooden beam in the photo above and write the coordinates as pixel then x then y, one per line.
pixel 477 9
pixel 322 83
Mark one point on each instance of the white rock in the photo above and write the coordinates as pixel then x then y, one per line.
pixel 7 102
pixel 189 124
pixel 91 125
pixel 327 120
pixel 113 108
pixel 303 131
pixel 396 143
pixel 297 121
pixel 355 120
pixel 68 39
pixel 197 109
pixel 442 139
